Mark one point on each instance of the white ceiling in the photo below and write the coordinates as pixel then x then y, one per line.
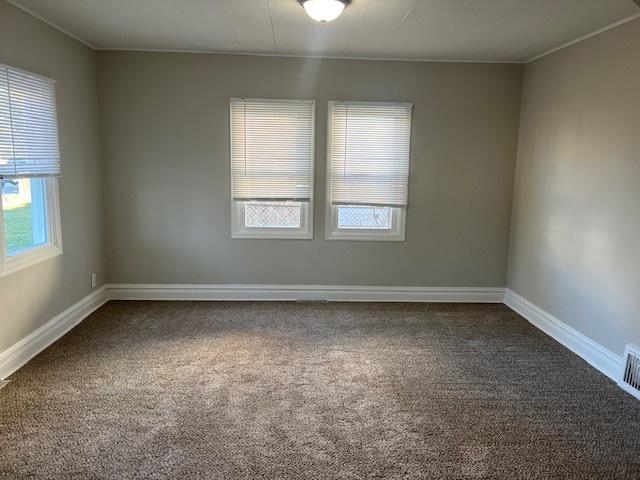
pixel 474 30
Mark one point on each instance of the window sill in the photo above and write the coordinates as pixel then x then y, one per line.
pixel 366 236
pixel 271 235
pixel 28 259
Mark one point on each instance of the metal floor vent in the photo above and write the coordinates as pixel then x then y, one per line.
pixel 631 375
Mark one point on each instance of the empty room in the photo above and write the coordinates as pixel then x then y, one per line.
pixel 320 239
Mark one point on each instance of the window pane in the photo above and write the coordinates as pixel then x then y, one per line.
pixel 24 213
pixel 364 217
pixel 259 214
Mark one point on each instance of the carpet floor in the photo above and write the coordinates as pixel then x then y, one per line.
pixel 203 390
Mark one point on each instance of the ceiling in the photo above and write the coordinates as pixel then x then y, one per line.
pixel 470 30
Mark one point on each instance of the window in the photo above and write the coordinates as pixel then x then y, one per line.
pixel 367 170
pixel 272 168
pixel 29 166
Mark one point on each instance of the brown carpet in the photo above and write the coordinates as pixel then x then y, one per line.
pixel 197 390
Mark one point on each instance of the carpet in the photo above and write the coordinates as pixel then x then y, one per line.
pixel 225 390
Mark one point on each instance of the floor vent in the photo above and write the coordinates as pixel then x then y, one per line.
pixel 631 375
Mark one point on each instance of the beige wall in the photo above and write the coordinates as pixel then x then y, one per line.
pixel 575 248
pixel 31 297
pixel 165 145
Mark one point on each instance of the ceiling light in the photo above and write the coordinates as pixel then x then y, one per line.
pixel 324 10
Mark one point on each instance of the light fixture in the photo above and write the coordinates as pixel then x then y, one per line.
pixel 324 10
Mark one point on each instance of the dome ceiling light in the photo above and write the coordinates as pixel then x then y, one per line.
pixel 324 11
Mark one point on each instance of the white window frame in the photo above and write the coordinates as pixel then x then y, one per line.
pixel 397 231
pixel 333 232
pixel 238 228
pixel 52 248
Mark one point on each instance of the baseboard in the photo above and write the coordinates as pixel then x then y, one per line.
pixel 305 293
pixel 593 353
pixel 599 357
pixel 20 353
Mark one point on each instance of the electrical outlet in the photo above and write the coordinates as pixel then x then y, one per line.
pixel 94 280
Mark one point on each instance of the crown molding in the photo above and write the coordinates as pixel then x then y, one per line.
pixel 585 37
pixel 314 57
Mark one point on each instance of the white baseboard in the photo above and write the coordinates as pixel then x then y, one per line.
pixel 599 357
pixel 20 353
pixel 593 353
pixel 305 292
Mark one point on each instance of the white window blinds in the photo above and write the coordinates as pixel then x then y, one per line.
pixel 28 125
pixel 272 149
pixel 369 153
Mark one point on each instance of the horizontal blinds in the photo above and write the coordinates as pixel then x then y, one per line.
pixel 369 153
pixel 28 125
pixel 272 149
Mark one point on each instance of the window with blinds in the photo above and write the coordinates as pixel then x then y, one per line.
pixel 368 157
pixel 29 166
pixel 272 150
pixel 28 125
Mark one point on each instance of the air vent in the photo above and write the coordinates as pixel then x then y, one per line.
pixel 631 375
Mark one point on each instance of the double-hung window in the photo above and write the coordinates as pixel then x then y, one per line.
pixel 367 170
pixel 29 167
pixel 272 148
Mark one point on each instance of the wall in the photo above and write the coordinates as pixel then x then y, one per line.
pixel 31 297
pixel 164 122
pixel 576 221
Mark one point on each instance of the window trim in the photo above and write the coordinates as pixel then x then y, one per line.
pixel 33 256
pixel 238 228
pixel 332 232
pixel 395 234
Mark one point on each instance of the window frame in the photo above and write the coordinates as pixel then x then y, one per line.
pixel 333 232
pixel 397 232
pixel 10 264
pixel 238 228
